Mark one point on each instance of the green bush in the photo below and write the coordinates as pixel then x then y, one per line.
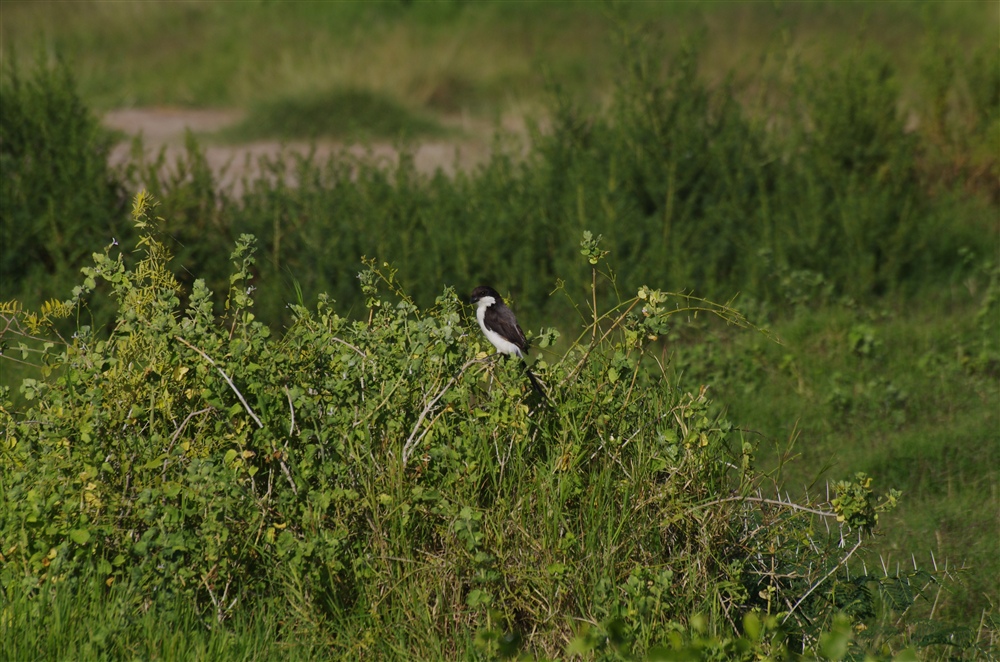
pixel 59 197
pixel 854 206
pixel 389 486
pixel 335 114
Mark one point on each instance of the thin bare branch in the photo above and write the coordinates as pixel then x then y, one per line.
pixel 224 376
pixel 823 579
pixel 347 344
pixel 773 502
pixel 288 476
pixel 413 440
pixel 291 408
pixel 180 428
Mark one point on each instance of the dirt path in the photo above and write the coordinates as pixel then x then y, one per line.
pixel 165 127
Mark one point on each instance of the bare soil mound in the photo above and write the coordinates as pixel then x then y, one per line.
pixel 164 128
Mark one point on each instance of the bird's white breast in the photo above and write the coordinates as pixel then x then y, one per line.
pixel 503 345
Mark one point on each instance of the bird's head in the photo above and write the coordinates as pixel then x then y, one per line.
pixel 484 292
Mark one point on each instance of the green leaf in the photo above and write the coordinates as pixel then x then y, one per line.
pixel 478 597
pixel 79 536
pixel 751 626
pixel 155 463
pixel 582 644
pixel 833 645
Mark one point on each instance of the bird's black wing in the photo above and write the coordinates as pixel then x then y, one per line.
pixel 499 319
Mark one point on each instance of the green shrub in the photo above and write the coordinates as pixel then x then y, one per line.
pixel 388 485
pixel 59 197
pixel 857 200
pixel 338 114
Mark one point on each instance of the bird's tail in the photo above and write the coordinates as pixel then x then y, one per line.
pixel 537 385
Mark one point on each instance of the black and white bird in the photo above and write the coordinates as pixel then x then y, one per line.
pixel 501 328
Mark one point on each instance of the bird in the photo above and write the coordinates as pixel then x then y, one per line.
pixel 500 327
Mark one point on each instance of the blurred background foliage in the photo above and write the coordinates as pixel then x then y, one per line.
pixel 835 159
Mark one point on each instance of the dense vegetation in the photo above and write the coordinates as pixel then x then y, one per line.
pixel 200 442
pixel 383 475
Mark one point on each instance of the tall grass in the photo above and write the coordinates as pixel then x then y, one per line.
pixel 690 188
pixel 905 391
pixel 88 620
pixel 687 187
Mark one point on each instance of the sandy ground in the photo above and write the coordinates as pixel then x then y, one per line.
pixel 165 128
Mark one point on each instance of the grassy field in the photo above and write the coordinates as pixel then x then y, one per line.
pixel 491 60
pixel 893 391
pixel 868 245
